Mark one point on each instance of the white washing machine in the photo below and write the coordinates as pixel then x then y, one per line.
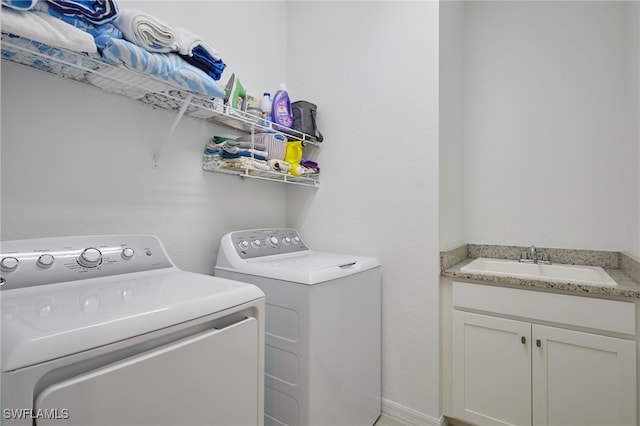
pixel 105 330
pixel 322 356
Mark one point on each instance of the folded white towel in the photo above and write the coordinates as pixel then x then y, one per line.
pixel 44 28
pixel 187 41
pixel 146 31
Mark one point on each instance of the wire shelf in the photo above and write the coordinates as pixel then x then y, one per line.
pixel 90 69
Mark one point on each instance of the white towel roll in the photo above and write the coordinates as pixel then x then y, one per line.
pixel 146 31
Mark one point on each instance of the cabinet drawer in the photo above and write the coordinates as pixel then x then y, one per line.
pixel 599 314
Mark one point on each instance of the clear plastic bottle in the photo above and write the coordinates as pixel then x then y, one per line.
pixel 282 113
pixel 265 107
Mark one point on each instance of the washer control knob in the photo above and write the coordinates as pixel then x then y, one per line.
pixel 272 241
pixel 45 260
pixel 256 244
pixel 286 241
pixel 244 244
pixel 127 253
pixel 9 264
pixel 295 240
pixel 90 257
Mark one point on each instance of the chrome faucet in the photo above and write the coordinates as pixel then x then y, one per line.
pixel 532 255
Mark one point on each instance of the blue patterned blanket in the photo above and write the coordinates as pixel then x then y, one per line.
pixel 169 67
pixel 95 11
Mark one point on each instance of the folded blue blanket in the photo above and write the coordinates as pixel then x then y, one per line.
pixel 101 33
pixel 94 11
pixel 203 60
pixel 169 67
pixel 20 4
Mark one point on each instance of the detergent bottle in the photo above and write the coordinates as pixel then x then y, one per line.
pixel 265 107
pixel 293 156
pixel 281 112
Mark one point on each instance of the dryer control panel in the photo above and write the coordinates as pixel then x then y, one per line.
pixel 254 243
pixel 25 263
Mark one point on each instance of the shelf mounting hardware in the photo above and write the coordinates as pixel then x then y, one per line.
pixel 183 109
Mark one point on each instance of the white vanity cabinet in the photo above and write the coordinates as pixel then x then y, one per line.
pixel 522 357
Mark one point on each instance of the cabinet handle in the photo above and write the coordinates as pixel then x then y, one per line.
pixel 523 340
pixel 538 343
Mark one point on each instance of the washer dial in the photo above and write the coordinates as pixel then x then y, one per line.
pixel 272 241
pixel 45 260
pixel 9 264
pixel 127 253
pixel 90 257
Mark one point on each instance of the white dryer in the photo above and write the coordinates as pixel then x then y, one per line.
pixel 105 330
pixel 322 356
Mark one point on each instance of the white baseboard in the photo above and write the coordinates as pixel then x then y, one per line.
pixel 408 415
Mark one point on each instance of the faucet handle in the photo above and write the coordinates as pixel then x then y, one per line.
pixel 544 258
pixel 525 257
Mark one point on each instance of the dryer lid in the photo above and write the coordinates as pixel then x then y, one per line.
pixel 44 322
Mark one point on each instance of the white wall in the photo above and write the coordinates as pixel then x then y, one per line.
pixel 451 163
pixel 634 37
pixel 94 175
pixel 549 151
pixel 372 67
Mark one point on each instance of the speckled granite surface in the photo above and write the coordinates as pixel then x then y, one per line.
pixel 604 259
pixel 623 268
pixel 630 265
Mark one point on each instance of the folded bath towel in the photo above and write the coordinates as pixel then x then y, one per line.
pixel 94 11
pixel 146 31
pixel 187 41
pixel 198 53
pixel 202 60
pixel 169 67
pixel 20 4
pixel 44 28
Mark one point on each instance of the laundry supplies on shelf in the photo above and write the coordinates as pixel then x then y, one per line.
pixel 265 108
pixel 105 37
pixel 281 112
pixel 134 54
pixel 235 94
pixel 266 155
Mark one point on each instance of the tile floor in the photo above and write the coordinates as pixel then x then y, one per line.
pixel 388 421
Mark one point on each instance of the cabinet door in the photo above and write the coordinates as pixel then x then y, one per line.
pixel 491 370
pixel 582 379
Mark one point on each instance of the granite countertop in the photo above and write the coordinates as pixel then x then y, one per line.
pixel 623 269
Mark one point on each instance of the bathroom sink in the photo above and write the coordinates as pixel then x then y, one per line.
pixel 578 274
